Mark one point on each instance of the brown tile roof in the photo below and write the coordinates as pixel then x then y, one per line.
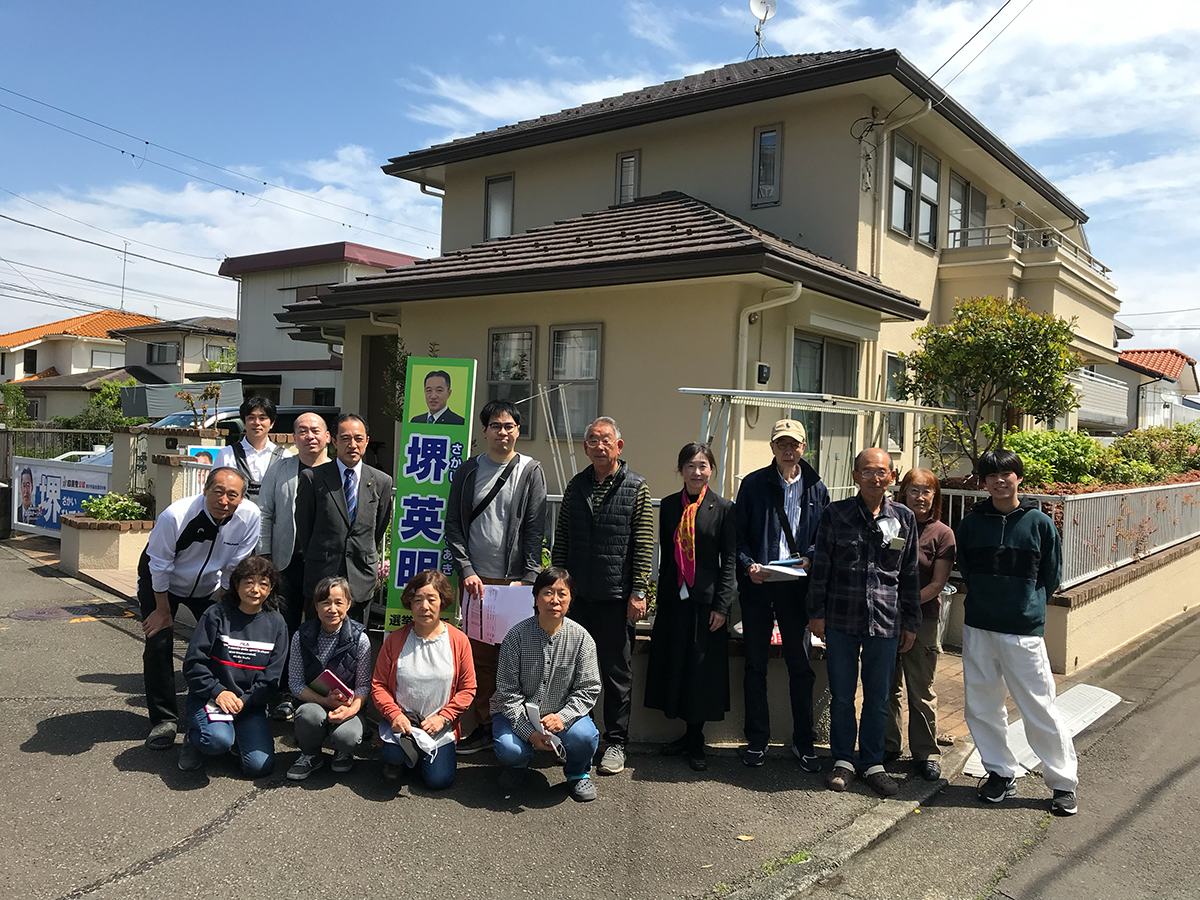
pixel 91 380
pixel 96 324
pixel 50 372
pixel 1167 363
pixel 342 251
pixel 665 237
pixel 224 326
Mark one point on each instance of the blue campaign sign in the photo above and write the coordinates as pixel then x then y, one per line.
pixel 45 489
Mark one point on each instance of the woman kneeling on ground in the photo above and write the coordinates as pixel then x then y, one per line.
pixel 232 668
pixel 547 681
pixel 424 680
pixel 329 709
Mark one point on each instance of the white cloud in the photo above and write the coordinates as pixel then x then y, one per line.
pixel 652 23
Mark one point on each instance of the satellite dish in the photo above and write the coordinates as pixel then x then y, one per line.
pixel 763 9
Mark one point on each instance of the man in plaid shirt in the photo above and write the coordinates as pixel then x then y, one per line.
pixel 864 600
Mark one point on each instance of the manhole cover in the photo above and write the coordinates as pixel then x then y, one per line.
pixel 45 614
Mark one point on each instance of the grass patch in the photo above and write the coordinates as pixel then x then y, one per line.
pixel 774 866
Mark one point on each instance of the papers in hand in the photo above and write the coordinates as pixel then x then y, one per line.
pixel 535 718
pixel 783 571
pixel 216 714
pixel 502 607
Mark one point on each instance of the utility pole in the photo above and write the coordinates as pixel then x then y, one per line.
pixel 124 262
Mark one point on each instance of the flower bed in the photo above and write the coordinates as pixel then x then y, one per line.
pixel 88 543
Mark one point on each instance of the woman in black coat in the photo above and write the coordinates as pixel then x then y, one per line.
pixel 688 673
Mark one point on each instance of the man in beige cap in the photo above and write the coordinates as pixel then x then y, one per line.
pixel 777 510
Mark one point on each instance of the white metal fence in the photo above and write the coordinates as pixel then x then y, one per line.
pixel 197 472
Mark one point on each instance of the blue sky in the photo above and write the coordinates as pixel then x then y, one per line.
pixel 1103 97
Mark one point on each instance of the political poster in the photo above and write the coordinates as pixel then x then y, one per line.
pixel 435 439
pixel 44 489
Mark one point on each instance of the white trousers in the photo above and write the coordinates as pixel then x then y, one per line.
pixel 994 665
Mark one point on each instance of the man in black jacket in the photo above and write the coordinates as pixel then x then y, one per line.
pixel 777 510
pixel 495 523
pixel 605 539
pixel 342 514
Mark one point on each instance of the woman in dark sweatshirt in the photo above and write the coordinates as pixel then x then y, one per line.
pixel 232 667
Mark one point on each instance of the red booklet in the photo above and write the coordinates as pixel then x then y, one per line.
pixel 326 682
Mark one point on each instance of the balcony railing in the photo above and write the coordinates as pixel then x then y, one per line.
pixel 1029 239
pixel 1102 400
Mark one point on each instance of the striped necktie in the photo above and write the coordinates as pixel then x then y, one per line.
pixel 351 495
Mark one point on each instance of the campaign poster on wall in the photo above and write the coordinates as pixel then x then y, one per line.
pixel 44 489
pixel 435 438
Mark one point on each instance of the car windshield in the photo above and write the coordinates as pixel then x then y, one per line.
pixel 184 418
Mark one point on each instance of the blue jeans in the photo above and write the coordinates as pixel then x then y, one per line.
pixel 437 768
pixel 256 744
pixel 580 741
pixel 842 652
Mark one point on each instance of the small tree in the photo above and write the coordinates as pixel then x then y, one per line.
pixel 995 359
pixel 103 410
pixel 13 406
pixel 395 371
pixel 226 362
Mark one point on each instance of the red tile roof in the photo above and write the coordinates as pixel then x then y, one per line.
pixel 96 325
pixel 45 373
pixel 1167 363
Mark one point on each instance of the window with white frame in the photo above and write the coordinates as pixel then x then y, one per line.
pixel 108 359
pixel 967 213
pixel 927 207
pixel 629 173
pixel 510 367
pixel 575 368
pixel 212 352
pixel 498 204
pixel 904 157
pixel 768 156
pixel 165 353
pixel 895 421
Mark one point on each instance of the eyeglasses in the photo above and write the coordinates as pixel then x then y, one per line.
pixel 504 427
pixel 599 442
pixel 875 473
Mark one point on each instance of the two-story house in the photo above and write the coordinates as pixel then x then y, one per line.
pixel 172 350
pixel 780 224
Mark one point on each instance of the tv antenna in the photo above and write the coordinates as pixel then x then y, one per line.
pixel 762 10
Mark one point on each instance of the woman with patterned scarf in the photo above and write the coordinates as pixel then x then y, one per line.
pixel 688 672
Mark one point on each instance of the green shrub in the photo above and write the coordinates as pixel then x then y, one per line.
pixel 1168 451
pixel 114 508
pixel 1050 456
pixel 1114 468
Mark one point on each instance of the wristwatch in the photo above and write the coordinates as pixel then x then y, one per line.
pixel 639 595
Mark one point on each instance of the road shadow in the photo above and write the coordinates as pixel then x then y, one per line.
pixel 165 764
pixel 71 734
pixel 1031 794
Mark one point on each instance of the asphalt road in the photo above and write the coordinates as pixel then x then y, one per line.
pixel 1137 834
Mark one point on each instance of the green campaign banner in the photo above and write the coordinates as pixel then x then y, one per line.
pixel 435 438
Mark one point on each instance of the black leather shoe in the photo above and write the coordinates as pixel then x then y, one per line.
pixel 675 747
pixel 890 756
pixel 697 760
pixel 929 769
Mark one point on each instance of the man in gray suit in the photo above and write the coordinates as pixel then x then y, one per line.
pixel 342 514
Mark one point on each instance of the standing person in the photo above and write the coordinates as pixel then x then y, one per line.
pixel 191 551
pixel 547 668
pixel 342 514
pixel 255 452
pixel 424 681
pixel 688 672
pixel 334 642
pixel 232 667
pixel 495 523
pixel 864 602
pixel 437 395
pixel 605 539
pixel 921 492
pixel 1010 556
pixel 277 538
pixel 777 511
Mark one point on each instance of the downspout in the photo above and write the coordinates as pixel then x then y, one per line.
pixel 425 190
pixel 793 294
pixel 880 147
pixel 381 324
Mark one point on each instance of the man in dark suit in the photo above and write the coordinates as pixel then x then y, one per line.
pixel 342 514
pixel 437 395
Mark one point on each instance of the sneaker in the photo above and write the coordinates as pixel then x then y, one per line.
pixel 929 769
pixel 343 761
pixel 1063 803
pixel 478 740
pixel 839 779
pixel 190 757
pixel 162 736
pixel 884 784
pixel 997 788
pixel 512 778
pixel 305 765
pixel 582 789
pixel 613 760
pixel 809 761
pixel 752 757
pixel 285 711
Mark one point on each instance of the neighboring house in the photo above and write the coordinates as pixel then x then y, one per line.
pixel 172 350
pixel 1155 383
pixel 67 395
pixel 626 248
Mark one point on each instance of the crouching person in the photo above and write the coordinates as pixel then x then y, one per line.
pixel 424 680
pixel 548 663
pixel 333 643
pixel 232 668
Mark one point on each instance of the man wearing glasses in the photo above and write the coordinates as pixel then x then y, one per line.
pixel 864 601
pixel 495 523
pixel 605 539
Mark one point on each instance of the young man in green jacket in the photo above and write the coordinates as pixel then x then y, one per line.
pixel 1010 556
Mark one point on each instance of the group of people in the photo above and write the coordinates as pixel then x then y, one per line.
pixel 862 576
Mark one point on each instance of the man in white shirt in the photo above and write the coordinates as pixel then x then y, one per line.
pixel 255 452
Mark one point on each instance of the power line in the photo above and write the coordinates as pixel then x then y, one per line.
pixel 985 46
pixel 1162 312
pixel 212 165
pixel 129 290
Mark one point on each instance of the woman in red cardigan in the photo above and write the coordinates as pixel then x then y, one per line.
pixel 424 680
